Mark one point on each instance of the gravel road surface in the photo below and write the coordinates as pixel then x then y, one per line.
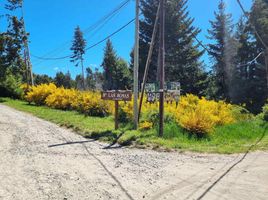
pixel 40 160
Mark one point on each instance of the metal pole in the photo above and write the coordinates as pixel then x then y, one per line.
pixel 162 67
pixel 136 68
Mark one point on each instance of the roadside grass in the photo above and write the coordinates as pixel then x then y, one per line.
pixel 70 119
pixel 235 138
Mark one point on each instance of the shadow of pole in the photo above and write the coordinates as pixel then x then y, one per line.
pixel 70 143
pixel 110 173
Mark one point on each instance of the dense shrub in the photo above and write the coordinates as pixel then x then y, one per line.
pixel 201 116
pixel 62 98
pixel 10 86
pixel 196 115
pixel 89 103
pixel 39 93
pixel 265 112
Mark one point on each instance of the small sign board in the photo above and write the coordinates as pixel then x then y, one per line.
pixel 117 95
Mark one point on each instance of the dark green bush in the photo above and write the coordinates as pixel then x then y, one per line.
pixel 10 86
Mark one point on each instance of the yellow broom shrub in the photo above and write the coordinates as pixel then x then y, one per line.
pixel 201 116
pixel 62 98
pixel 192 113
pixel 39 93
pixel 92 104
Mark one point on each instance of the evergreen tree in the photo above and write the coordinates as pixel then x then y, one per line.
pixel 259 18
pixel 109 66
pixel 182 54
pixel 64 80
pixel 13 4
pixel 222 52
pixel 122 76
pixel 12 66
pixel 78 48
pixel 98 79
pixel 42 79
pixel 116 74
pixel 90 79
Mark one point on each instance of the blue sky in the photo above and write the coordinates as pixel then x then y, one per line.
pixel 51 24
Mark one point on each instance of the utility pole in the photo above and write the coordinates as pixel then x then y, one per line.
pixel 27 58
pixel 136 68
pixel 162 67
pixel 266 63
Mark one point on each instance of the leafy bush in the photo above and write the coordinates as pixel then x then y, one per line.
pixel 241 114
pixel 93 105
pixel 196 115
pixel 10 86
pixel 265 112
pixel 39 93
pixel 62 98
pixel 201 116
pixel 146 125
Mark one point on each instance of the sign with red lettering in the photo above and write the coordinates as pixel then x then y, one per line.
pixel 117 95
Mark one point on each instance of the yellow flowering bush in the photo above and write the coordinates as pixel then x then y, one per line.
pixel 201 116
pixel 92 104
pixel 39 93
pixel 146 125
pixel 62 98
pixel 192 113
pixel 195 114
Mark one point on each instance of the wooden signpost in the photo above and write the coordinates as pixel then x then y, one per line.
pixel 116 96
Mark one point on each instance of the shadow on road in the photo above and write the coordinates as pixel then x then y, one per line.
pixel 70 143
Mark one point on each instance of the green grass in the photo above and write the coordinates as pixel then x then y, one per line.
pixel 70 119
pixel 234 138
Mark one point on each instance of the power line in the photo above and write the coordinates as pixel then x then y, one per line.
pixel 92 46
pixel 100 23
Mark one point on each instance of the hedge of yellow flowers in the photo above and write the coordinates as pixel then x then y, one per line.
pixel 89 103
pixel 195 114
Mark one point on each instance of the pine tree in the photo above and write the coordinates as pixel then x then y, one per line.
pixel 222 52
pixel 78 48
pixel 259 18
pixel 116 73
pixel 121 76
pixel 109 66
pixel 182 54
pixel 63 80
pixel 13 4
pixel 90 79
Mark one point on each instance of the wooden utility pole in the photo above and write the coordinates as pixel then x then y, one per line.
pixel 266 63
pixel 148 61
pixel 26 49
pixel 136 68
pixel 162 67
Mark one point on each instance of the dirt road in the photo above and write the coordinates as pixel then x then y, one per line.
pixel 39 160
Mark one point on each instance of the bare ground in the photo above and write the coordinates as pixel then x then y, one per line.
pixel 39 160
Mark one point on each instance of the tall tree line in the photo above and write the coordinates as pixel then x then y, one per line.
pixel 236 76
pixel 12 66
pixel 183 55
